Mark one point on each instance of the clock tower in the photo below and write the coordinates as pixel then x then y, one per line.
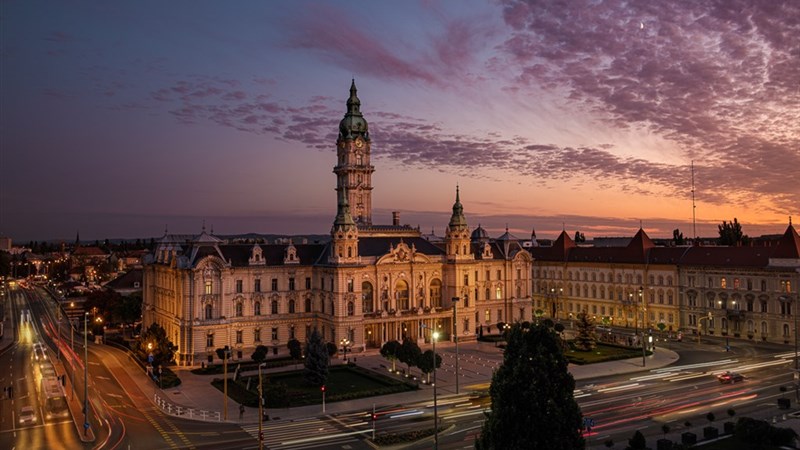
pixel 353 169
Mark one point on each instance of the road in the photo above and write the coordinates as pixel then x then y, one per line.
pixel 121 414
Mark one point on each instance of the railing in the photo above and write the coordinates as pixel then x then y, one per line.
pixel 187 413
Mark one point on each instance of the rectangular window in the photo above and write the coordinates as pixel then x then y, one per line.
pixel 723 283
pixel 308 283
pixel 291 283
pixel 210 340
pixel 710 282
pixel 498 293
pixel 208 288
pixel 291 332
pixel 274 284
pixel 499 275
pixel 690 281
pixel 670 318
pixel 736 283
pixel 499 315
pixel 239 337
pixel 466 325
pixel 749 284
pixel 763 285
pixel 519 274
pixel 257 285
pixel 274 334
pixel 322 283
pixel 238 286
pixel 466 279
pixel 487 317
pixel 257 335
pixel 488 275
pixel 350 287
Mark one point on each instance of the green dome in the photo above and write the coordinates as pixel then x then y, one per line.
pixel 353 124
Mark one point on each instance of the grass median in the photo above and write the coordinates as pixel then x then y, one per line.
pixel 287 389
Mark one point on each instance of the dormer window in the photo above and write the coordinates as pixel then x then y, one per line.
pixel 256 255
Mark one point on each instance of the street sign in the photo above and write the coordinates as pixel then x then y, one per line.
pixel 588 422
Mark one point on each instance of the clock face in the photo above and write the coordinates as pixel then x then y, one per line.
pixel 359 143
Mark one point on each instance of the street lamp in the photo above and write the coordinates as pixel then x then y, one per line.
pixel 226 352
pixel 260 408
pixel 435 336
pixel 85 373
pixel 455 336
pixel 344 342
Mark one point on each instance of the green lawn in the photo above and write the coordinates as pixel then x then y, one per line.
pixel 601 353
pixel 290 389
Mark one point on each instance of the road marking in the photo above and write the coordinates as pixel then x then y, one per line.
pixel 103 378
pixel 114 395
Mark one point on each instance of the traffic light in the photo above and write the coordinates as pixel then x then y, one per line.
pixel 323 388
pixel 261 436
pixel 374 417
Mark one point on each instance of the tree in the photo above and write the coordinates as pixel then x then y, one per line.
pixel 389 351
pixel 260 354
pixel 295 349
pixel 532 396
pixel 408 353
pixel 579 237
pixel 317 360
pixel 730 233
pixel 677 237
pixel 637 442
pixel 154 340
pixel 331 348
pixel 585 338
pixel 426 363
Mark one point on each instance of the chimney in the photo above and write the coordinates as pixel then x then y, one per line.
pixel 396 218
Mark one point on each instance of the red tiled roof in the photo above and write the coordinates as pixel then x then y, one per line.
pixel 788 246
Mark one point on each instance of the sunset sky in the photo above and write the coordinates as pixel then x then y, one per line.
pixel 121 119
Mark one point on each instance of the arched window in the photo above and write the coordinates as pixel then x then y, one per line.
pixel 257 308
pixel 238 309
pixel 274 307
pixel 291 306
pixel 498 293
pixel 436 293
pixel 308 304
pixel 209 312
pixel 401 295
pixel 351 309
pixel 367 297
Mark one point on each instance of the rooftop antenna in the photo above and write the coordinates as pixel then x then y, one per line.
pixel 694 207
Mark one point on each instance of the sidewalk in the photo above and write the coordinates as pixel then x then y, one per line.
pixel 477 362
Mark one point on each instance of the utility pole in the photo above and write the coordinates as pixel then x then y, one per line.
pixel 85 372
pixel 455 336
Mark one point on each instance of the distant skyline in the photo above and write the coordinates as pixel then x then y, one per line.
pixel 122 120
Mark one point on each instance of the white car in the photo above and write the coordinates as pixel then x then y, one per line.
pixel 27 415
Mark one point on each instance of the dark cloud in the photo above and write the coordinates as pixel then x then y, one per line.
pixel 718 78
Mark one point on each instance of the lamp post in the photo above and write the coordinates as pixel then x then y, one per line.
pixel 260 408
pixel 435 336
pixel 85 372
pixel 225 382
pixel 344 342
pixel 455 336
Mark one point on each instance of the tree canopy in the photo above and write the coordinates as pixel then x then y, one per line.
pixel 390 351
pixel 585 338
pixel 155 337
pixel 409 353
pixel 317 360
pixel 532 396
pixel 730 233
pixel 425 363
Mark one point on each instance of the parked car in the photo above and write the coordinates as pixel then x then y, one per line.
pixel 730 377
pixel 27 415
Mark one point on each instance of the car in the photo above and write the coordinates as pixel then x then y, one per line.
pixel 27 415
pixel 730 377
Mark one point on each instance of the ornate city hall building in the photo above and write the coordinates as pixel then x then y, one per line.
pixel 367 284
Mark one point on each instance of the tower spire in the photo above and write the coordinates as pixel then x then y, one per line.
pixel 457 220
